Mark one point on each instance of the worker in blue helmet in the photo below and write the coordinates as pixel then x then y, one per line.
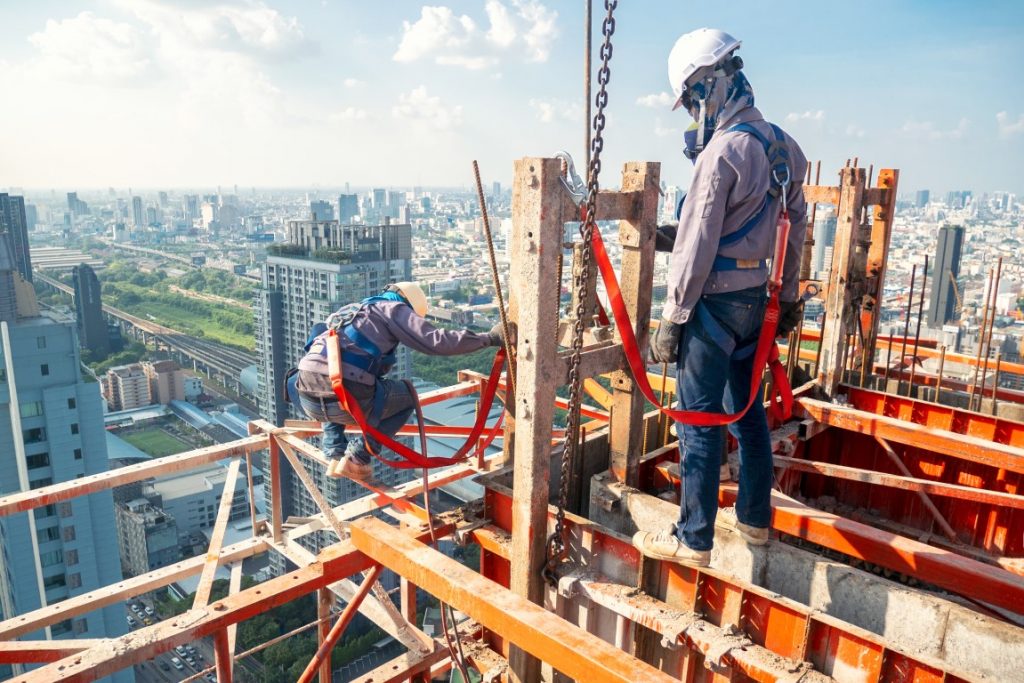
pixel 717 287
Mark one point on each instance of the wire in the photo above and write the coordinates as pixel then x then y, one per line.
pixel 458 657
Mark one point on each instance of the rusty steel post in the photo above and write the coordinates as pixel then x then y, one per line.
pixel 636 237
pixel 981 340
pixel 338 629
pixel 917 332
pixel 324 603
pixel 991 329
pixel 537 219
pixel 222 656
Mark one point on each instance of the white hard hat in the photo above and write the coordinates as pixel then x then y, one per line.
pixel 693 51
pixel 412 293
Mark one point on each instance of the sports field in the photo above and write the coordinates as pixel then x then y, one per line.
pixel 155 442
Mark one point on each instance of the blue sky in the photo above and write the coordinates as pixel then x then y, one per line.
pixel 157 93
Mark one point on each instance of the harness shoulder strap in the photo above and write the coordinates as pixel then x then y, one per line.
pixel 778 159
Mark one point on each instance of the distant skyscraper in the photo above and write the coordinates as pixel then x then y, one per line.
pixel 348 208
pixel 138 217
pixel 51 430
pixel 298 290
pixel 320 210
pixel 31 216
pixel 13 221
pixel 92 328
pixel 921 198
pixel 496 191
pixel 396 200
pixel 942 305
pixel 824 241
pixel 163 200
pixel 191 209
pixel 380 201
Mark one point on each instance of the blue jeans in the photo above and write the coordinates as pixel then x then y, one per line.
pixel 397 407
pixel 708 376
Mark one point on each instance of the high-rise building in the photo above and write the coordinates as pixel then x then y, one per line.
pixel 31 216
pixel 126 387
pixel 921 198
pixel 163 199
pixel 348 208
pixel 13 222
pixel 166 381
pixel 824 241
pixel 76 207
pixel 138 218
pixel 147 537
pixel 51 430
pixel 92 328
pixel 324 266
pixel 942 305
pixel 320 210
pixel 496 190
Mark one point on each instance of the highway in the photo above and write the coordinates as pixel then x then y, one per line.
pixel 225 360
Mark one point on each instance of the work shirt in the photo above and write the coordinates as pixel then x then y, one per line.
pixel 730 182
pixel 386 324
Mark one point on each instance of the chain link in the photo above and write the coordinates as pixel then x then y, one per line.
pixel 556 545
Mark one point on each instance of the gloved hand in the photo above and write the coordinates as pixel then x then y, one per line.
pixel 789 317
pixel 665 342
pixel 665 237
pixel 497 334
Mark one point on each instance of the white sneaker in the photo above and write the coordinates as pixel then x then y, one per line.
pixel 664 545
pixel 753 535
pixel 353 469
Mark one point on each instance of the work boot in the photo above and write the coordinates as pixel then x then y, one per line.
pixel 753 535
pixel 353 469
pixel 664 545
pixel 334 467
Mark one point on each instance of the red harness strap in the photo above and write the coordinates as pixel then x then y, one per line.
pixel 767 350
pixel 411 457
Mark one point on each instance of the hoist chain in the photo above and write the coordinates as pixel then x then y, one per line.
pixel 556 544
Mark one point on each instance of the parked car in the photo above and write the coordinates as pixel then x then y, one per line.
pixel 148 610
pixel 181 650
pixel 131 622
pixel 165 666
pixel 177 663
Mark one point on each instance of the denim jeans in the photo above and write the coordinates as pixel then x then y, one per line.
pixel 398 407
pixel 710 380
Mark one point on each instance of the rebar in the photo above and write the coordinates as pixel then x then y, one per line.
pixel 917 332
pixel 906 330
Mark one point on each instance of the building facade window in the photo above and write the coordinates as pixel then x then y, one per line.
pixel 80 626
pixel 31 409
pixel 55 581
pixel 45 511
pixel 34 435
pixel 74 427
pixel 71 403
pixel 74 580
pixel 48 534
pixel 71 558
pixel 69 533
pixel 37 460
pixel 44 369
pixel 78 454
pixel 40 342
pixel 40 483
pixel 64 510
pixel 51 558
pixel 60 628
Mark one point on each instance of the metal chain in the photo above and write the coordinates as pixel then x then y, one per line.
pixel 556 545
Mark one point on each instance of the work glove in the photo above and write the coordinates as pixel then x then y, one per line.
pixel 497 334
pixel 665 237
pixel 789 317
pixel 665 343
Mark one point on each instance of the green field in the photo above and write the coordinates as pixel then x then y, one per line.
pixel 155 442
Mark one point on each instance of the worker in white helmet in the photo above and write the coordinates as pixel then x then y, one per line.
pixel 717 287
pixel 369 334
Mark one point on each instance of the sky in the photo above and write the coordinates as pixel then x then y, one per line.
pixel 317 93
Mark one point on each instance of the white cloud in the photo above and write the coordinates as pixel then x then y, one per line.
pixel 929 131
pixel 525 26
pixel 661 100
pixel 548 111
pixel 353 82
pixel 854 130
pixel 1008 127
pixel 419 107
pixel 663 132
pixel 348 114
pixel 248 26
pixel 811 116
pixel 89 49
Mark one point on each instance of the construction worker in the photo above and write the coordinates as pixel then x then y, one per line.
pixel 717 288
pixel 369 334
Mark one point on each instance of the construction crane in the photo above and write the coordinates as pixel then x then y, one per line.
pixel 956 293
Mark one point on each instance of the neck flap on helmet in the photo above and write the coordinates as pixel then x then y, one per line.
pixel 718 93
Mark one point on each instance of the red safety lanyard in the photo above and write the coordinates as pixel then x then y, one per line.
pixel 413 458
pixel 767 350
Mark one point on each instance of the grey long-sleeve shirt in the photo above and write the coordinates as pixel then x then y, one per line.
pixel 387 324
pixel 730 181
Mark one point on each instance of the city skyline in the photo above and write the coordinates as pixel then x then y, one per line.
pixel 274 95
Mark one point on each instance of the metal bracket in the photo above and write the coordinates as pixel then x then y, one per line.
pixel 572 182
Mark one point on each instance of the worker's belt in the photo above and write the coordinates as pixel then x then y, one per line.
pixel 410 457
pixel 765 352
pixel 725 263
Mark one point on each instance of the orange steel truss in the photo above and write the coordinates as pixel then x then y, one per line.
pixel 935 494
